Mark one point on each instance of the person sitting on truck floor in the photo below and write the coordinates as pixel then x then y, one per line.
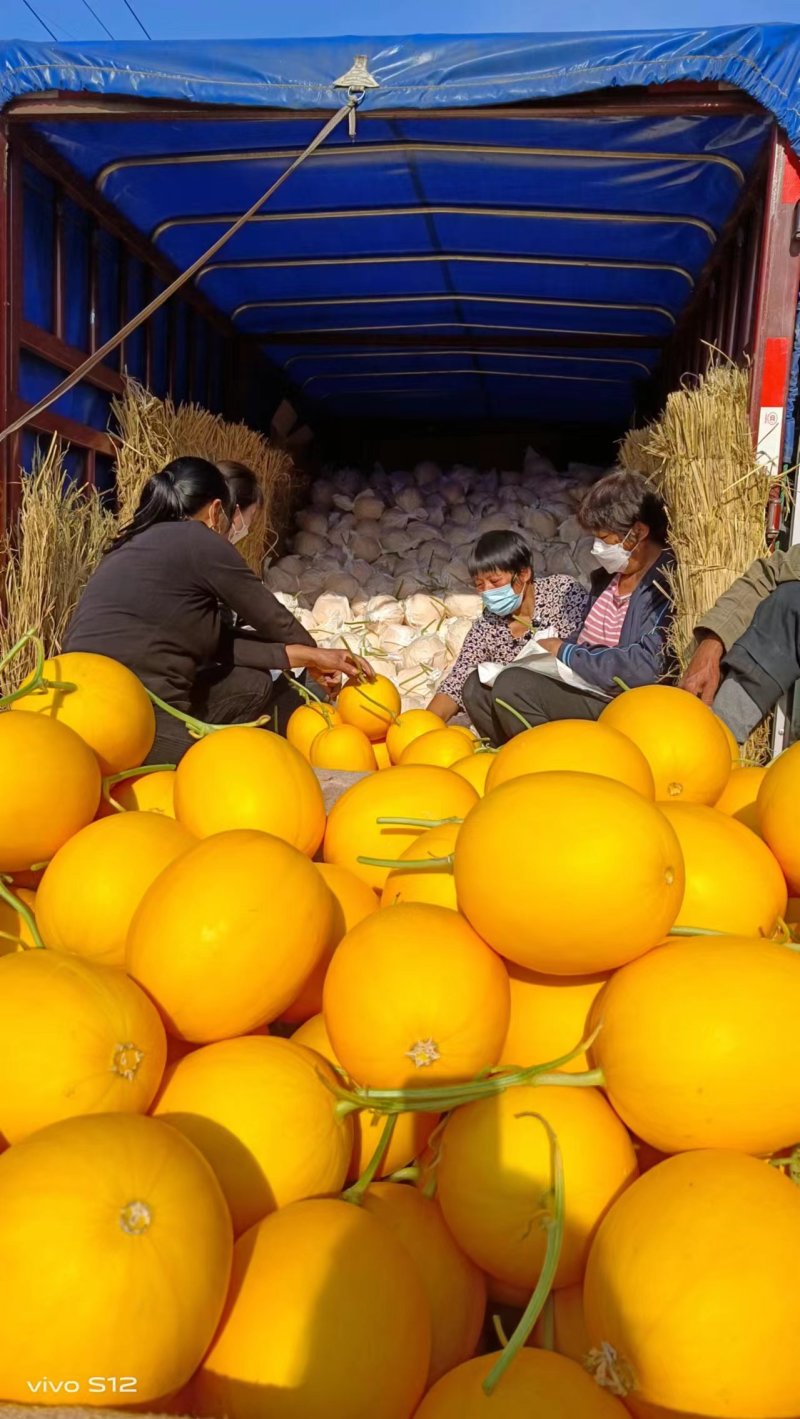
pixel 623 637
pixel 748 644
pixel 154 602
pixel 514 606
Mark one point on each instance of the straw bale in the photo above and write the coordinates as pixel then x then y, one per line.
pixel 151 431
pixel 61 536
pixel 700 454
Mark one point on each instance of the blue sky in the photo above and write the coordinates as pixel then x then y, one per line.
pixel 212 19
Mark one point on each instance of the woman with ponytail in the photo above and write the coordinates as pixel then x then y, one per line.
pixel 165 595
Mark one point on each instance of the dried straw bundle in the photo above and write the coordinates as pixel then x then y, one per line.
pixel 152 431
pixel 699 452
pixel 634 452
pixel 62 534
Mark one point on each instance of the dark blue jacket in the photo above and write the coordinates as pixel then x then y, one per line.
pixel 641 657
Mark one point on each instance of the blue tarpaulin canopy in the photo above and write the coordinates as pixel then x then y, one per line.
pixel 454 212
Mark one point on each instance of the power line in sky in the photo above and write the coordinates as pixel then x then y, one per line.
pixel 100 22
pixel 38 18
pixel 139 22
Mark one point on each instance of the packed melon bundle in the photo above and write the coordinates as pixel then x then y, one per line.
pixel 291 1094
pixel 379 561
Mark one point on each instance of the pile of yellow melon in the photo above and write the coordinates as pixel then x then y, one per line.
pixel 291 1108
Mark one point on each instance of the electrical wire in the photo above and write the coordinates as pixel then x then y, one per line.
pixel 38 18
pixel 100 22
pixel 140 23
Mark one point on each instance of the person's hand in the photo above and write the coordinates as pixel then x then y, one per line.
pixel 704 672
pixel 551 645
pixel 328 667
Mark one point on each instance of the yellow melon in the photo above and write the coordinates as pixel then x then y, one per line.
pixel 733 883
pixel 229 933
pixel 128 1206
pixel 411 1130
pixel 682 740
pixel 696 1260
pixel 563 911
pixel 576 745
pixel 427 884
pixel 327 1315
pixel 495 1172
pixel 260 1112
pixel 416 791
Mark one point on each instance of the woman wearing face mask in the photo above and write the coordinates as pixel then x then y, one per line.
pixel 247 495
pixel 514 605
pixel 623 636
pixel 154 604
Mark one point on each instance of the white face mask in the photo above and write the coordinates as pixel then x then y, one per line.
pixel 613 557
pixel 237 534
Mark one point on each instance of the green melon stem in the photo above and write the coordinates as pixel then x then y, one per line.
pixel 411 1174
pixel 196 727
pixel 553 1222
pixel 111 780
pixel 355 1194
pixel 418 822
pixel 421 864
pixel 549 1324
pixel 449 1096
pixel 506 706
pixel 499 1331
pixel 381 712
pixel 696 931
pixel 6 895
pixel 304 691
pixel 37 682
pixel 790 1161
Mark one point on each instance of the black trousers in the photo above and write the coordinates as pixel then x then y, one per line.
pixel 228 695
pixel 765 661
pixel 537 698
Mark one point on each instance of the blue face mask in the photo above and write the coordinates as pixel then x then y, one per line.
pixel 502 600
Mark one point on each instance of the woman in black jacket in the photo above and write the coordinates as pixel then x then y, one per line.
pixel 155 604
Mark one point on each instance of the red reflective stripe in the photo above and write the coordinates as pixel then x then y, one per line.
pixel 775 376
pixel 790 191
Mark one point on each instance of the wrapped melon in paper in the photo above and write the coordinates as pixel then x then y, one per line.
pixel 454 632
pixel 429 651
pixel 395 638
pixel 275 579
pixel 367 507
pixel 332 611
pixel 407 585
pixel 571 530
pixel 410 500
pixel 396 541
pixel 313 520
pixel 383 609
pixel 427 473
pixel 466 603
pixel 424 611
pixel 365 546
pixel 309 544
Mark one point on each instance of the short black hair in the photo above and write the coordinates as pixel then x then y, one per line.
pixel 504 551
pixel 621 498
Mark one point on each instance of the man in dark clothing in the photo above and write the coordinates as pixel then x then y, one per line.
pixel 748 644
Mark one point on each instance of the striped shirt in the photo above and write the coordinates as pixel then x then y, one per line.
pixel 603 624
